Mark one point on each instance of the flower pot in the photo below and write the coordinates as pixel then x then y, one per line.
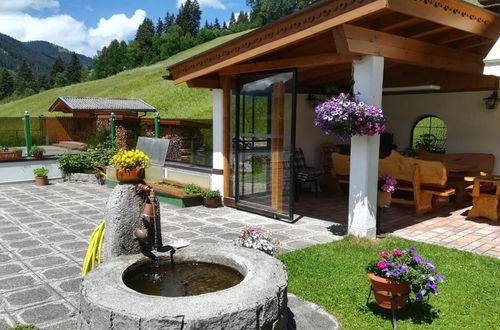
pixel 212 202
pixel 10 155
pixel 384 288
pixel 41 180
pixel 130 175
pixel 38 155
pixel 383 199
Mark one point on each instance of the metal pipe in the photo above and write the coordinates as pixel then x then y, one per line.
pixel 27 132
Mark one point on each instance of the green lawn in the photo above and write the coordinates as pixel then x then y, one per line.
pixel 144 83
pixel 333 276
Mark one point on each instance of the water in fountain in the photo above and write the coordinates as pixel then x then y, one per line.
pixel 161 278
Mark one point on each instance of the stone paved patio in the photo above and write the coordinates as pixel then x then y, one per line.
pixel 45 230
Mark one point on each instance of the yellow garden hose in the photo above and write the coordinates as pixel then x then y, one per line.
pixel 94 250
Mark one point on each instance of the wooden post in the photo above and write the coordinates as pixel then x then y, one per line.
pixel 277 144
pixel 226 87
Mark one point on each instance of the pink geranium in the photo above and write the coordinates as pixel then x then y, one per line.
pixel 382 264
pixel 397 253
pixel 384 254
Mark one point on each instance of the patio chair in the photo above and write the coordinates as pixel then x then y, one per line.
pixel 304 173
pixel 485 196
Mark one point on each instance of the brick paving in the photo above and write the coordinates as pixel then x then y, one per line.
pixel 45 230
pixel 447 226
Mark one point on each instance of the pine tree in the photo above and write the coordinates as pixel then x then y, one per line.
pixel 232 20
pixel 189 17
pixel 207 26
pixel 217 24
pixel 57 67
pixel 41 82
pixel 169 21
pixel 74 70
pixel 24 79
pixel 144 37
pixel 160 27
pixel 6 84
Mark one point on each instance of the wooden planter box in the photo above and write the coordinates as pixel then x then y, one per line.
pixel 10 155
pixel 175 195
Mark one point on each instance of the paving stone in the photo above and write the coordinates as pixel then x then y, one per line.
pixel 31 219
pixel 71 286
pixel 186 234
pixel 28 253
pixel 62 272
pixel 79 255
pixel 11 229
pixel 4 257
pixel 81 226
pixel 10 269
pixel 297 245
pixel 47 261
pixel 72 246
pixel 15 282
pixel 193 224
pixel 61 238
pixel 229 236
pixel 203 240
pixel 28 297
pixel 25 243
pixel 168 229
pixel 21 215
pixel 61 216
pixel 211 229
pixel 234 225
pixel 63 325
pixel 16 236
pixel 5 321
pixel 217 220
pixel 41 225
pixel 45 313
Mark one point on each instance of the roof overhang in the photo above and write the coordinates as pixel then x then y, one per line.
pixel 440 34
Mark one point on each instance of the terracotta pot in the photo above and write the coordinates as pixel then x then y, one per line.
pixel 383 288
pixel 130 175
pixel 41 180
pixel 383 199
pixel 212 202
pixel 38 155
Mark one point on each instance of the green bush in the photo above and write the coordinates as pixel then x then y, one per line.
pixel 192 189
pixel 212 194
pixel 41 171
pixel 88 160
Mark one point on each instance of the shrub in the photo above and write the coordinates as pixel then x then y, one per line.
pixel 88 160
pixel 192 189
pixel 212 194
pixel 41 171
pixel 37 150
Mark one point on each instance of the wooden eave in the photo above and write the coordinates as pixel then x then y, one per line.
pixel 444 35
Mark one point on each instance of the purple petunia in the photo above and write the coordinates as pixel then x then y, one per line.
pixel 411 249
pixel 440 277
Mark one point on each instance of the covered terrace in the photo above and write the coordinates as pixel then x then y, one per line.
pixel 409 57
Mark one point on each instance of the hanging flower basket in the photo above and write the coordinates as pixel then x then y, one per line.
pixel 346 118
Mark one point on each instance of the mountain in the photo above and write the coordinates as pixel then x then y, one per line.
pixel 39 54
pixel 144 83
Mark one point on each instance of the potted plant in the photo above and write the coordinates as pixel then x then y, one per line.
pixel 37 152
pixel 254 239
pixel 400 272
pixel 13 154
pixel 211 198
pixel 345 118
pixel 130 165
pixel 41 176
pixel 386 186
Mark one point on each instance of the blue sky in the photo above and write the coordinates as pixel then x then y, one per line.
pixel 87 25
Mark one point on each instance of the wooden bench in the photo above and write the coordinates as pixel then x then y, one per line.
pixel 425 179
pixel 485 202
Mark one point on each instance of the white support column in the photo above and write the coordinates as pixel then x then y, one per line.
pixel 368 79
pixel 217 181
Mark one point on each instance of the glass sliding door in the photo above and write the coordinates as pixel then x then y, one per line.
pixel 264 142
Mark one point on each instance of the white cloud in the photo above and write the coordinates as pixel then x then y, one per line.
pixel 217 4
pixel 66 31
pixel 19 5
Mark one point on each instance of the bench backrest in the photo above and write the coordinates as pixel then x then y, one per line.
pixel 402 168
pixel 476 162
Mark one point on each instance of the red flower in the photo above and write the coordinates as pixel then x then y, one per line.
pixel 397 253
pixel 384 254
pixel 381 264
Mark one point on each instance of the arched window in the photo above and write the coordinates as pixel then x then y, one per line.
pixel 430 133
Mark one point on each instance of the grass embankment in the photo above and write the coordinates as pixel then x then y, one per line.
pixel 333 276
pixel 144 83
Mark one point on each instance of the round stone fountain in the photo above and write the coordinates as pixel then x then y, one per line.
pixel 210 286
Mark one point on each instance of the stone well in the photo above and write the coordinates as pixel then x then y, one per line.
pixel 258 302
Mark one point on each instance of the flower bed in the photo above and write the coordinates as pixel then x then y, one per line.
pixel 174 192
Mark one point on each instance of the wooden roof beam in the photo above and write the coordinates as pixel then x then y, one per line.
pixel 459 15
pixel 354 39
pixel 402 24
pixel 431 32
pixel 294 62
pixel 204 83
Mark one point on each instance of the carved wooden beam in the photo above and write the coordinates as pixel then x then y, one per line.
pixel 294 62
pixel 459 15
pixel 354 39
pixel 204 83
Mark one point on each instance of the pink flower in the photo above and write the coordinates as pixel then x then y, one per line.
pixel 384 254
pixel 381 264
pixel 397 253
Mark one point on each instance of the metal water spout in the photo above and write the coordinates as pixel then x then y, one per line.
pixel 150 239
